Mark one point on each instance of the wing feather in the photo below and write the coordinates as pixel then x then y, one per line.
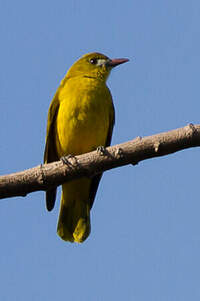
pixel 50 153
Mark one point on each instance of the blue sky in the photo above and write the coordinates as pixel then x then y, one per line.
pixel 145 239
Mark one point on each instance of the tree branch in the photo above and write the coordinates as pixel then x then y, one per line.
pixel 53 174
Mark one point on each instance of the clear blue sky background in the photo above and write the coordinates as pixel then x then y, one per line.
pixel 145 239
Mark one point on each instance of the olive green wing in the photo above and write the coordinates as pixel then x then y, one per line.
pixel 50 153
pixel 96 179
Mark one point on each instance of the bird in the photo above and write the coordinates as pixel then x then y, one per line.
pixel 80 119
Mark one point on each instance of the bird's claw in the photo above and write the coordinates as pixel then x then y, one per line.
pixel 101 150
pixel 65 159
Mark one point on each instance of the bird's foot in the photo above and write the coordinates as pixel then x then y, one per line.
pixel 119 153
pixel 65 159
pixel 101 150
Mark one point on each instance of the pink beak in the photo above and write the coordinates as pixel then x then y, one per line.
pixel 116 62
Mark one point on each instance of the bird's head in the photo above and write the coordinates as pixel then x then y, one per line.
pixel 94 65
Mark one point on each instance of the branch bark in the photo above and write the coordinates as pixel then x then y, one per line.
pixel 53 174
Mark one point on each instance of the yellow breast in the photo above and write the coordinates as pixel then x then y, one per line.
pixel 83 116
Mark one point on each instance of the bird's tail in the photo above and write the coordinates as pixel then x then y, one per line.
pixel 74 218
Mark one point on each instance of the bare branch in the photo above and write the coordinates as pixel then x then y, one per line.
pixel 53 174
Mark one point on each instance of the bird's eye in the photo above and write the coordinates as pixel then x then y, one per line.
pixel 93 61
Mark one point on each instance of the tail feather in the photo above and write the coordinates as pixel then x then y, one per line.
pixel 74 218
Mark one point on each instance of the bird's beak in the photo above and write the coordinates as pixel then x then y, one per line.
pixel 116 62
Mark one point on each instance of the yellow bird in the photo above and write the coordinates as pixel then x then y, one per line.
pixel 80 118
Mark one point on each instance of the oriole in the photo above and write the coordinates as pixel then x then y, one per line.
pixel 80 118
